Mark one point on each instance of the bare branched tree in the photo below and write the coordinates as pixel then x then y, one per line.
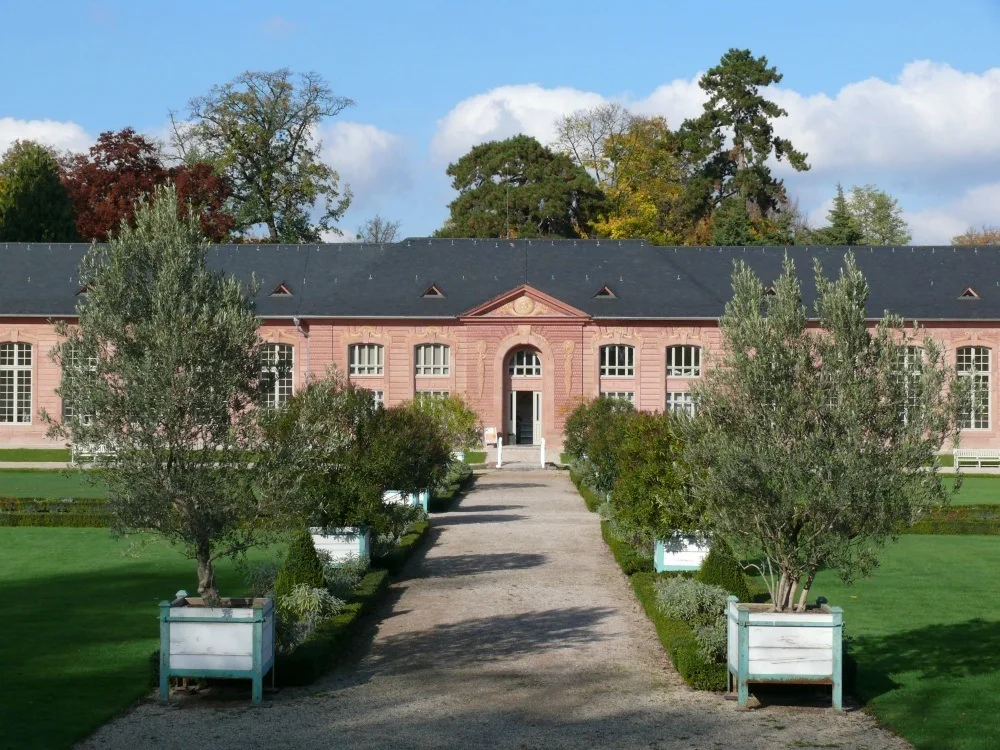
pixel 379 230
pixel 584 136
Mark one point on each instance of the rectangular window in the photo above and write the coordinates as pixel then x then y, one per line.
pixel 433 360
pixel 618 361
pixel 684 362
pixel 276 373
pixel 15 383
pixel 379 397
pixel 365 359
pixel 911 360
pixel 623 395
pixel 74 364
pixel 420 395
pixel 681 402
pixel 973 362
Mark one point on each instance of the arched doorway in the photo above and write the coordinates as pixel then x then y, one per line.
pixel 523 397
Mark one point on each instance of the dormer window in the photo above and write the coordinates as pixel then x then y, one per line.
pixel 969 293
pixel 770 291
pixel 282 290
pixel 605 293
pixel 432 292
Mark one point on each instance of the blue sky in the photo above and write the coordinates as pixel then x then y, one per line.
pixel 906 95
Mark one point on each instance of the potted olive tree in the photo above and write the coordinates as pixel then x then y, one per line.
pixel 653 499
pixel 819 441
pixel 160 369
pixel 408 454
pixel 313 458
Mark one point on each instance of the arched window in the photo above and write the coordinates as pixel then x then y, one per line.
pixel 973 362
pixel 432 360
pixel 684 361
pixel 276 373
pixel 365 359
pixel 618 361
pixel 15 383
pixel 525 363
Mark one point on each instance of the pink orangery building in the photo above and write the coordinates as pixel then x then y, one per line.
pixel 522 329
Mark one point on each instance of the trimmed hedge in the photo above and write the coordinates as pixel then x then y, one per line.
pixel 330 640
pixel 459 477
pixel 965 519
pixel 49 505
pixel 628 559
pixel 590 497
pixel 678 639
pixel 394 561
pixel 75 520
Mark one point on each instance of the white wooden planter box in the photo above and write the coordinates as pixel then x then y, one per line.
pixel 233 641
pixel 344 543
pixel 680 552
pixel 421 498
pixel 790 647
pixel 458 455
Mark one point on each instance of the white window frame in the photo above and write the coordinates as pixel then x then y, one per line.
pixel 421 395
pixel 684 361
pixel 366 360
pixel 432 360
pixel 911 363
pixel 71 359
pixel 681 402
pixel 379 397
pixel 16 382
pixel 524 363
pixel 617 361
pixel 975 362
pixel 623 395
pixel 278 363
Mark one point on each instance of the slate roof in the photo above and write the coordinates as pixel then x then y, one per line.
pixel 378 281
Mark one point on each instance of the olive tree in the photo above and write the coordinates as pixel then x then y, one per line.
pixel 459 424
pixel 818 438
pixel 157 372
pixel 591 436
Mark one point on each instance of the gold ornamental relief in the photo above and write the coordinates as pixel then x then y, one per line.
pixel 568 348
pixel 481 365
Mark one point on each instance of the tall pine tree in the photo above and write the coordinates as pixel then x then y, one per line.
pixel 843 229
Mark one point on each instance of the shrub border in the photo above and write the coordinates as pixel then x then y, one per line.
pixel 676 636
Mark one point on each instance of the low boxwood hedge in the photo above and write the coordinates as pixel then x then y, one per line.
pixel 396 559
pixel 49 505
pixel 629 560
pixel 330 641
pixel 678 639
pixel 590 497
pixel 964 519
pixel 76 520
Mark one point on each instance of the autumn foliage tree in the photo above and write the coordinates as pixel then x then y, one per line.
pixel 105 184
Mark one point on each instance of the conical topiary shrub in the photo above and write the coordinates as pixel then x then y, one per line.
pixel 722 569
pixel 302 566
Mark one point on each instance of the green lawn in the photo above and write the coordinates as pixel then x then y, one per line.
pixel 47 484
pixel 80 621
pixel 21 455
pixel 977 490
pixel 926 632
pixel 475 457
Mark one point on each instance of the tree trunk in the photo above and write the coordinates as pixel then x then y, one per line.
pixel 272 229
pixel 805 591
pixel 206 574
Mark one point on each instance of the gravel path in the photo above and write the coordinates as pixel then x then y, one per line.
pixel 515 629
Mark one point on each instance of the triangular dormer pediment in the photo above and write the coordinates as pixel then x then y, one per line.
pixel 525 302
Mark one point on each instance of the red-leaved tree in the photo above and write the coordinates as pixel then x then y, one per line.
pixel 105 183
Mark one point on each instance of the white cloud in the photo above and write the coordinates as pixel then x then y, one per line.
pixel 931 118
pixel 62 136
pixel 373 161
pixel 974 208
pixel 503 112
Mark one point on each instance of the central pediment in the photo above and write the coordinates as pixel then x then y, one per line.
pixel 524 302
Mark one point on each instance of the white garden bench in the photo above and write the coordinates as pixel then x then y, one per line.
pixel 978 457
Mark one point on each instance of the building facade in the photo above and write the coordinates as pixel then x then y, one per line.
pixel 523 330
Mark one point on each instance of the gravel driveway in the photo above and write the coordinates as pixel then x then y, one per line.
pixel 514 629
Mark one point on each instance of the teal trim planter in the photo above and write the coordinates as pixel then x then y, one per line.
pixel 342 544
pixel 803 648
pixel 234 641
pixel 680 552
pixel 421 498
